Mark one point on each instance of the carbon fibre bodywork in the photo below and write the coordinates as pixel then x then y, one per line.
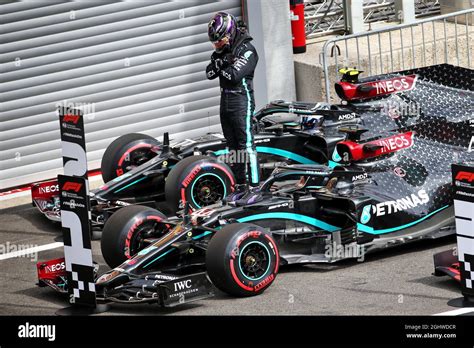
pixel 386 180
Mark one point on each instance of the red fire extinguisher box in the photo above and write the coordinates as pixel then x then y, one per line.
pixel 298 26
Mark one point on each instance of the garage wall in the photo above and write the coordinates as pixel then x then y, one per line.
pixel 134 66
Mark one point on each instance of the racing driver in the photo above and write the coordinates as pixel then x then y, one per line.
pixel 234 61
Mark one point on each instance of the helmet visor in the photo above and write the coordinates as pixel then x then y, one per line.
pixel 220 44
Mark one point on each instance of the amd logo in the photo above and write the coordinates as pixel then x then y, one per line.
pixel 183 285
pixel 347 117
pixel 358 177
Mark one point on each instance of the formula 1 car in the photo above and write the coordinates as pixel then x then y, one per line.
pixel 318 214
pixel 390 187
pixel 137 168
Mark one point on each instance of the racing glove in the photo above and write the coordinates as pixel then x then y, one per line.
pixel 214 67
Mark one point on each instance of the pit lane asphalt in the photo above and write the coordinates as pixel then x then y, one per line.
pixel 397 281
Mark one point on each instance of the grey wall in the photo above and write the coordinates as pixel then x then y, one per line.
pixel 269 24
pixel 139 66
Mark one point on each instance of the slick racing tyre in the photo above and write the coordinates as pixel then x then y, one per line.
pixel 126 231
pixel 242 260
pixel 125 153
pixel 199 180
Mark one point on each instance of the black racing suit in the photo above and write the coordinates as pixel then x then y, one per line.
pixel 237 105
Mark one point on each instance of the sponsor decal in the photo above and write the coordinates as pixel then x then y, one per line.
pixel 395 143
pixel 226 75
pixel 264 282
pixel 278 206
pixel 55 267
pixel 359 177
pixel 366 214
pixel 393 85
pixel 465 176
pixel 247 54
pixel 191 176
pixel 408 202
pixel 28 330
pixel 335 156
pixel 399 171
pixel 261 140
pixel 347 117
pixel 72 186
pixel 183 285
pixel 71 118
pixel 48 189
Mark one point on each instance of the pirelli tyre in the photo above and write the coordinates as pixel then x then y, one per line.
pixel 198 180
pixel 242 260
pixel 125 153
pixel 128 231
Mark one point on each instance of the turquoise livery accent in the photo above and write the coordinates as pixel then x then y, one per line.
pixel 159 257
pixel 277 152
pixel 253 157
pixel 366 214
pixel 335 156
pixel 368 229
pixel 241 252
pixel 132 183
pixel 197 179
pixel 287 154
pixel 291 216
pixel 202 235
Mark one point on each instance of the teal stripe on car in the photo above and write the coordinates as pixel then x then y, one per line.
pixel 253 157
pixel 277 152
pixel 159 257
pixel 132 183
pixel 371 230
pixel 292 216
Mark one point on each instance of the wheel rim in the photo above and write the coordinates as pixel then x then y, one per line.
pixel 208 189
pixel 148 229
pixel 254 260
pixel 135 158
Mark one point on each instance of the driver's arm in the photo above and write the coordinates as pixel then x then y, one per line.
pixel 240 66
pixel 213 69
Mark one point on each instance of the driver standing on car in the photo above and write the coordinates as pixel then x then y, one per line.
pixel 234 61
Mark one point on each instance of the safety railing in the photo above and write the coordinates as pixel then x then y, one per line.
pixel 323 17
pixel 434 40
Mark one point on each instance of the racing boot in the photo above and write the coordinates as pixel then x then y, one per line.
pixel 253 195
pixel 239 192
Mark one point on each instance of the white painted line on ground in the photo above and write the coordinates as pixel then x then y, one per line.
pixel 457 311
pixel 31 251
pixel 14 195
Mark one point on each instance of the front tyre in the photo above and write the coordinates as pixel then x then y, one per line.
pixel 242 260
pixel 128 231
pixel 200 181
pixel 125 153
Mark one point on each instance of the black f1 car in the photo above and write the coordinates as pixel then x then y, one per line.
pixel 390 187
pixel 137 168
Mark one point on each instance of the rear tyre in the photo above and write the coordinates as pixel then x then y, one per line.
pixel 125 153
pixel 200 180
pixel 125 232
pixel 242 260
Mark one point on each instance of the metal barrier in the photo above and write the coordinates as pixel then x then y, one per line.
pixel 324 17
pixel 429 51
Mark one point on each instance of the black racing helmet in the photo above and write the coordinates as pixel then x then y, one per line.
pixel 222 29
